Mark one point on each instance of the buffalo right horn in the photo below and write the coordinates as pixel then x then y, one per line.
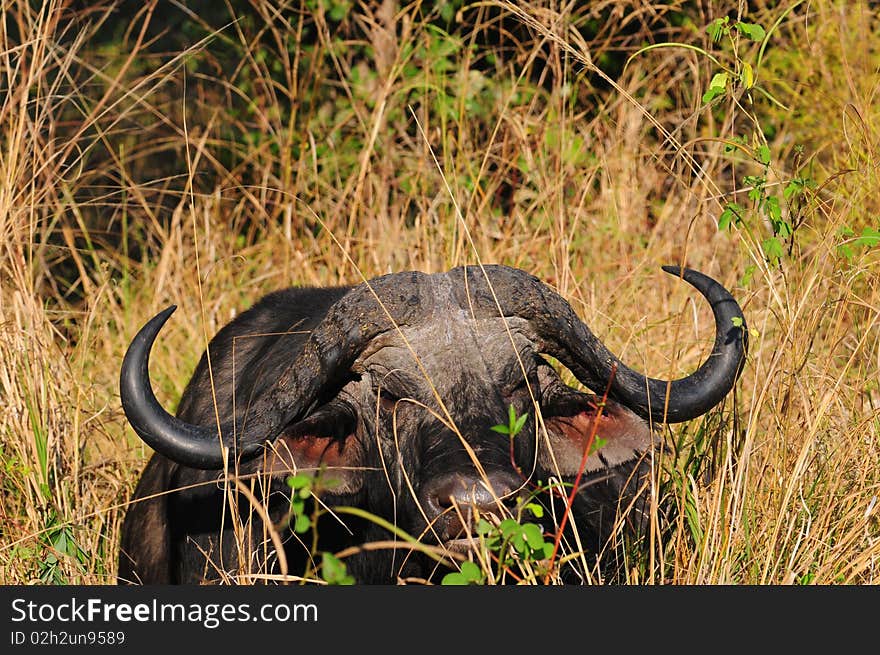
pixel 561 333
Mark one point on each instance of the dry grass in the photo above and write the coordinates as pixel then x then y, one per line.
pixel 115 201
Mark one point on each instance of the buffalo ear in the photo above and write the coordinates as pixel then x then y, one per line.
pixel 325 445
pixel 625 436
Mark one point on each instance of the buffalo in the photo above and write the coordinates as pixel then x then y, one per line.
pixel 386 397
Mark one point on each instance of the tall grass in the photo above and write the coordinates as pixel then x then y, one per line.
pixel 291 147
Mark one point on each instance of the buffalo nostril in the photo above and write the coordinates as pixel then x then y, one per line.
pixel 454 501
pixel 474 492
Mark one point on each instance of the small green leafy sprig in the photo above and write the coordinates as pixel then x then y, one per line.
pixel 332 570
pixel 301 491
pixel 514 423
pixel 512 542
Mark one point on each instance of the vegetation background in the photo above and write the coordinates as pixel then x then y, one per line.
pixel 204 153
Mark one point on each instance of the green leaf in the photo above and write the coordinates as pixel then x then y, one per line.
pixel 730 147
pixel 533 536
pixel 302 524
pixel 598 444
pixel 471 572
pixel 763 154
pixel 752 30
pixel 718 28
pixel 501 429
pixel 455 578
pixel 298 481
pixel 519 423
pixel 732 215
pixel 774 212
pixel 711 94
pixel 797 186
pixel 536 510
pixel 773 249
pixel 737 321
pixel 716 87
pixel 484 527
pixel 508 527
pixel 757 183
pixel 334 571
pixel 338 11
pixel 844 250
pixel 719 81
pixel 870 238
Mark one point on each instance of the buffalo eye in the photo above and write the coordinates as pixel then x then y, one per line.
pixel 387 400
pixel 574 423
pixel 325 441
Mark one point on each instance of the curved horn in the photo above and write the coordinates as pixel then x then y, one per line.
pixel 325 358
pixel 190 445
pixel 562 334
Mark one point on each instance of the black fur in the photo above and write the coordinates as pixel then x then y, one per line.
pixel 179 527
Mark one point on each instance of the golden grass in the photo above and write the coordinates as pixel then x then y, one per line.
pixel 602 189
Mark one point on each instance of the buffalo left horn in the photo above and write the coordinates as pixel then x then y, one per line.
pixel 325 359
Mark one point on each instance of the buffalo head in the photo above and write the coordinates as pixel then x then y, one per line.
pixel 391 389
